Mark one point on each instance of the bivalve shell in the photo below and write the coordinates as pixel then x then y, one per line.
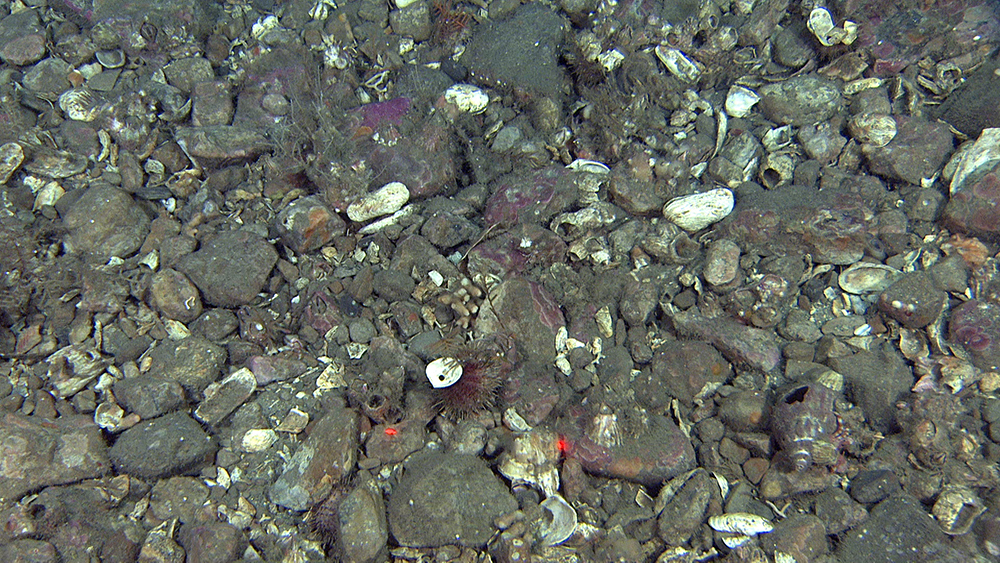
pixel 444 372
pixel 11 157
pixel 740 100
pixel 743 523
pixel 867 277
pixel 678 63
pixel 80 104
pixel 258 439
pixel 874 129
pixel 821 24
pixel 956 509
pixel 563 522
pixel 468 98
pixel 384 201
pixel 697 211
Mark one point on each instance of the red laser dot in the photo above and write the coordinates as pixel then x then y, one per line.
pixel 390 431
pixel 562 444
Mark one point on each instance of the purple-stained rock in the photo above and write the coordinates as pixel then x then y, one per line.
pixel 326 457
pixel 39 453
pixel 527 312
pixel 736 341
pixel 517 250
pixel 917 151
pixel 975 325
pixel 535 197
pixel 974 206
pixel 626 443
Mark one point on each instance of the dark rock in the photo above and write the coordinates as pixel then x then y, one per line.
pixel 211 542
pixel 193 362
pixel 363 529
pixel 393 285
pixel 972 207
pixel 28 550
pixel 875 380
pixel 162 446
pixel 218 144
pixel 801 100
pixel 231 269
pixel 447 499
pixel 22 38
pixel 914 300
pixel 869 487
pixel 736 341
pixel 802 536
pixel 975 105
pixel 898 531
pixel 412 21
pixel 975 325
pixel 105 222
pixel 178 497
pixel 838 510
pixel 445 230
pixel 526 311
pixel 685 370
pixel 149 396
pixel 919 148
pixel 39 453
pixel 175 296
pixel 224 397
pixel 326 457
pixel 535 197
pixel 522 51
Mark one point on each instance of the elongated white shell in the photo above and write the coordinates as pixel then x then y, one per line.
pixel 383 201
pixel 697 211
pixel 678 63
pixel 743 523
pixel 468 98
pixel 444 372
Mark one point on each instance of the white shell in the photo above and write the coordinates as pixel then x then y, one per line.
pixel 384 201
pixel 743 523
pixel 444 372
pixel 48 195
pixel 533 460
pixel 740 100
pixel 956 509
pixel 611 59
pixel 697 211
pixel 873 129
pixel 678 63
pixel 258 439
pixel 468 98
pixel 563 520
pixel 979 156
pixel 11 157
pixel 821 24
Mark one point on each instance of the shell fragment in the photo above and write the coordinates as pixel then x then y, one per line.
pixel 468 98
pixel 386 200
pixel 743 523
pixel 563 520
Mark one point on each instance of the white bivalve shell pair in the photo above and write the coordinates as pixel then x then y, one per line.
pixel 444 372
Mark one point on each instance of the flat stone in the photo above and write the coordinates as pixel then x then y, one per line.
pixel 231 269
pixel 105 222
pixel 37 453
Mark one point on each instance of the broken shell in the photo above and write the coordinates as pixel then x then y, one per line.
pixel 112 58
pixel 740 100
pixel 743 523
pixel 533 460
pixel 444 372
pixel 468 98
pixel 678 63
pixel 776 170
pixel 872 128
pixel 697 211
pixel 821 24
pixel 956 509
pixel 563 522
pixel 867 277
pixel 973 158
pixel 11 157
pixel 383 201
pixel 48 195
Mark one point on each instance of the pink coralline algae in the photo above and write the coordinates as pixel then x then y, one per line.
pixel 974 326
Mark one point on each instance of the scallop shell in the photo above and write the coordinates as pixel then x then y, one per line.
pixel 563 522
pixel 873 129
pixel 384 201
pixel 697 211
pixel 468 98
pixel 80 104
pixel 444 372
